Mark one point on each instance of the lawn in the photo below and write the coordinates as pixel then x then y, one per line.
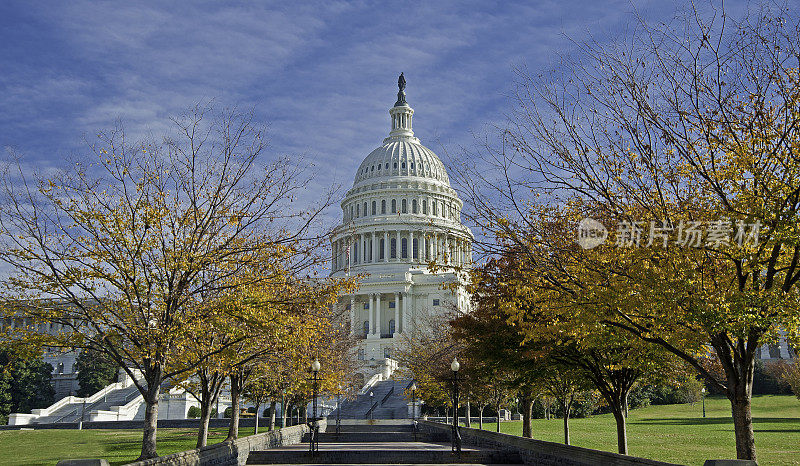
pixel 679 433
pixel 47 446
pixel 676 433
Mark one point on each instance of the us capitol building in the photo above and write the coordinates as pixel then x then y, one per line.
pixel 400 215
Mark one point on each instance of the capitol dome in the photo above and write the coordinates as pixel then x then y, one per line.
pixel 400 215
pixel 402 157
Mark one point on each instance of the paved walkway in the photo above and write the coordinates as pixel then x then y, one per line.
pixel 379 445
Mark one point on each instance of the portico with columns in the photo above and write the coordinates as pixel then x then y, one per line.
pixel 400 216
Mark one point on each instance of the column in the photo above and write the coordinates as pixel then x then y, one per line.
pixel 378 313
pixel 411 240
pixel 374 247
pixel 371 320
pixel 349 251
pixel 353 325
pixel 386 246
pixel 361 246
pixel 403 315
pixel 411 246
pixel 423 257
pixel 397 311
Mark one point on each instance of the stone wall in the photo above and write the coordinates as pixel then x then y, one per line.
pixel 231 453
pixel 536 451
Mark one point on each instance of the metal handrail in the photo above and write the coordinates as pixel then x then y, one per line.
pixel 386 397
pixel 371 410
pixel 74 411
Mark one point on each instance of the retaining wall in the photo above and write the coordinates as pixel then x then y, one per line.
pixel 232 453
pixel 537 451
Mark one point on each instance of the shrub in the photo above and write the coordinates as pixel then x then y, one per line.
pixel 194 412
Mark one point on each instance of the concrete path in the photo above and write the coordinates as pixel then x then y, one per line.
pixel 379 445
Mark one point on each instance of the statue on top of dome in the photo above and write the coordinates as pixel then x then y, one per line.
pixel 401 95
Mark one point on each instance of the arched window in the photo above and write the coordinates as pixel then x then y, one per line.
pixel 383 245
pixel 394 206
pixel 365 209
pixel 393 248
pixel 366 327
pixel 361 354
pixel 387 165
pixel 379 166
pixel 413 206
pixel 391 326
pixel 424 207
pixel 404 205
pixel 395 165
pixel 351 212
pixel 414 247
pixel 374 205
pixel 358 211
pixel 433 204
pixel 383 206
pixel 61 368
pixel 404 165
pixel 355 252
pixel 404 247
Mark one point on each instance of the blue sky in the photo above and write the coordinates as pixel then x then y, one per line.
pixel 321 75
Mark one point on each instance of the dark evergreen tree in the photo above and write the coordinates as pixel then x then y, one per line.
pixel 24 383
pixel 95 371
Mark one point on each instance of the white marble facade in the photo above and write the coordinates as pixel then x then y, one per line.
pixel 400 215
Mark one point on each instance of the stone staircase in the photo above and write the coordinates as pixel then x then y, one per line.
pixel 378 445
pixel 388 401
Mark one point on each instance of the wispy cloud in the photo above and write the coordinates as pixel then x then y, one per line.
pixel 322 75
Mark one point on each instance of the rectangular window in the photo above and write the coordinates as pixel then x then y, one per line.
pixel 366 305
pixel 391 304
pixel 435 302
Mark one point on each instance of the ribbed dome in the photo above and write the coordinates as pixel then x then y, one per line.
pixel 403 156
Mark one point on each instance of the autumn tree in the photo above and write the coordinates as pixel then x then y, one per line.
pixel 115 246
pixel 692 123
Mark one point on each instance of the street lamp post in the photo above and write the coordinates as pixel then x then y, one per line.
pixel 314 428
pixel 414 408
pixel 371 405
pixel 703 392
pixel 456 446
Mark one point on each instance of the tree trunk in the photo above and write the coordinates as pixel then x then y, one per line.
pixel 272 405
pixel 150 422
pixel 743 428
pixel 625 403
pixel 205 416
pixel 498 418
pixel 566 407
pixel 527 410
pixel 233 429
pixel 305 413
pixel 258 405
pixel 284 412
pixel 467 417
pixel 622 435
pixel 480 418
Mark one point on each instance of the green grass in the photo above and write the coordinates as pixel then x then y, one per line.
pixel 676 433
pixel 48 446
pixel 679 433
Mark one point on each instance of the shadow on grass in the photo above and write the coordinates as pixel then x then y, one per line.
pixel 687 421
